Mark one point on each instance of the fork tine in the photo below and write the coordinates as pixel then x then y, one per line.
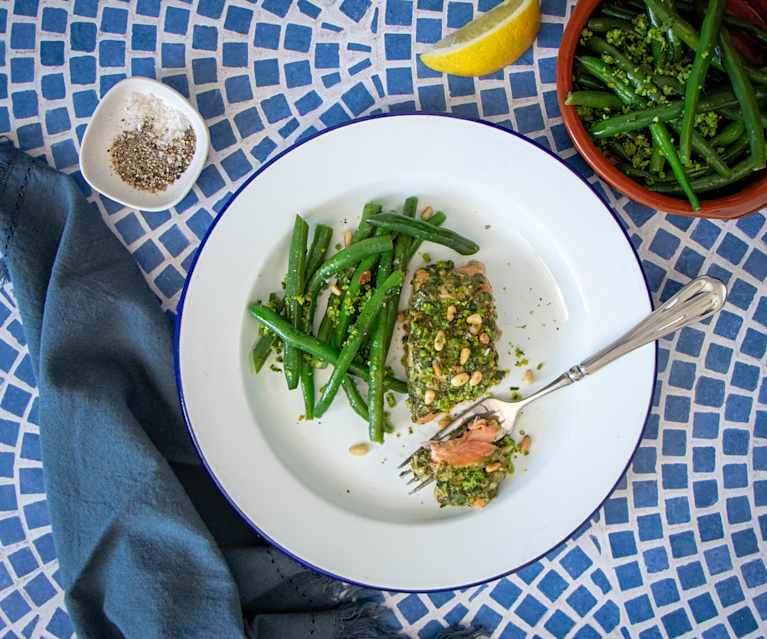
pixel 413 480
pixel 423 484
pixel 405 472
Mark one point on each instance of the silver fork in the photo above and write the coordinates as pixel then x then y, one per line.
pixel 699 299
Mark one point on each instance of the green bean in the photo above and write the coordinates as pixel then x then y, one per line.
pixel 378 345
pixel 657 159
pixel 703 54
pixel 639 77
pixel 652 178
pixel 261 351
pixel 377 369
pixel 662 138
pixel 594 99
pixel 642 118
pixel 265 343
pixel 706 151
pixel 425 231
pixel 603 24
pixel 294 287
pixel 755 31
pixel 712 182
pixel 313 346
pixel 735 114
pixel 361 327
pixel 600 70
pixel 364 230
pixel 400 260
pixel 344 258
pixel 667 84
pixel 326 325
pixel 320 244
pixel 410 207
pixel 346 309
pixel 408 210
pixel 617 12
pixel 734 151
pixel 744 91
pixel 588 83
pixel 729 134
pixel 617 150
pixel 675 46
pixel 689 35
pixel 307 387
pixel 657 47
pixel 355 399
pixel 437 219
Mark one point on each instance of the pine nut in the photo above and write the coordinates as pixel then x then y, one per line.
pixel 439 341
pixel 524 445
pixel 359 449
pixel 465 354
pixel 476 378
pixel 427 213
pixel 450 313
pixel 475 319
pixel 436 368
pixel 491 468
pixel 347 238
pixel 429 396
pixel 335 290
pixel 528 376
pixel 459 380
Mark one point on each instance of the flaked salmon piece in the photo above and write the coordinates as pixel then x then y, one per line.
pixel 472 447
pixel 482 431
pixel 461 451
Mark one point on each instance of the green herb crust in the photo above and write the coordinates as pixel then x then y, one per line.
pixel 450 310
pixel 472 485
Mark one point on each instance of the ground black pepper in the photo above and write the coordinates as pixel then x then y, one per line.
pixel 146 163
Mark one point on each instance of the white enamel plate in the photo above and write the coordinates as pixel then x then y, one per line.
pixel 566 282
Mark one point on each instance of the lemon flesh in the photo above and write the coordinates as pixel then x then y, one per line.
pixel 489 42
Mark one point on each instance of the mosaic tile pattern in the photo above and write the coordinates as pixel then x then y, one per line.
pixel 679 548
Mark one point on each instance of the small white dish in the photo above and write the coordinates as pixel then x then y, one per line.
pixel 567 282
pixel 96 165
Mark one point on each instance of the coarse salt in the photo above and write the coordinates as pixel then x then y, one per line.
pixel 168 124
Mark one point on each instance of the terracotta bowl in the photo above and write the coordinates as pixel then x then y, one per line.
pixel 751 196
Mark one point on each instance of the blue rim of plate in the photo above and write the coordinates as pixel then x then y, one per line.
pixel 180 313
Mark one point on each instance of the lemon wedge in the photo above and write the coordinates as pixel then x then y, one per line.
pixel 489 42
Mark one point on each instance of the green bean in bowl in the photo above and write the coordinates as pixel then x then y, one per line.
pixel 674 95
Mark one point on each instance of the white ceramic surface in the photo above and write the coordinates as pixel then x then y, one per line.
pixel 566 280
pixel 96 164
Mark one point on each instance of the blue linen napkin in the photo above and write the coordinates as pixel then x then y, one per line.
pixel 148 546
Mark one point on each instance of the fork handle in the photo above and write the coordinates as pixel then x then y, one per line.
pixel 701 298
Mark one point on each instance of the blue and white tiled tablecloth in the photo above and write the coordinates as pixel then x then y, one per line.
pixel 679 548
